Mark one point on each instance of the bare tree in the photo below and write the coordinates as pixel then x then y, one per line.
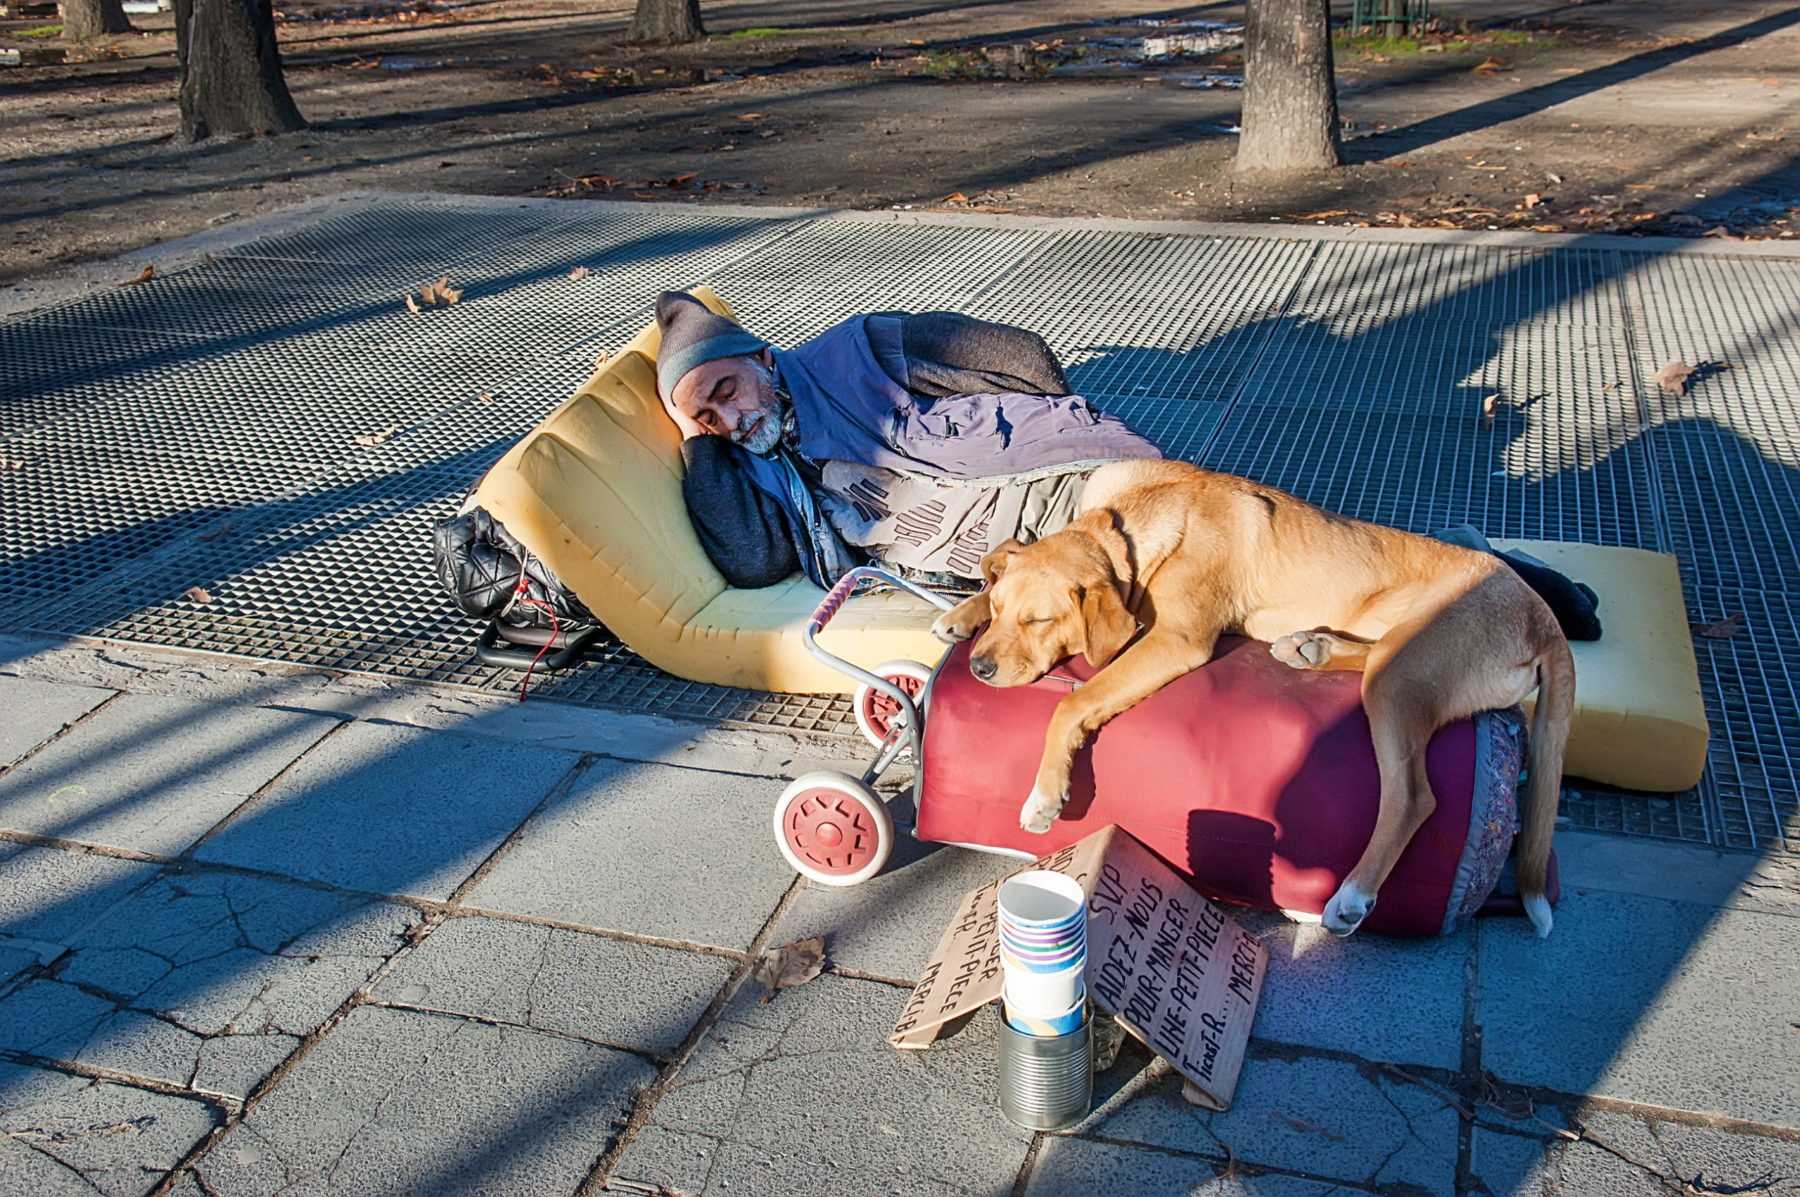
pixel 1290 120
pixel 90 18
pixel 667 20
pixel 231 78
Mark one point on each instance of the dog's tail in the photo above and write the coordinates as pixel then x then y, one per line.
pixel 1549 737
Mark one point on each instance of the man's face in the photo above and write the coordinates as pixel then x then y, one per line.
pixel 732 397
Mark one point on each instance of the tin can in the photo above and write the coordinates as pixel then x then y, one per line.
pixel 1046 1082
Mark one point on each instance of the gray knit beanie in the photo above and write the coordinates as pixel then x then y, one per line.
pixel 693 334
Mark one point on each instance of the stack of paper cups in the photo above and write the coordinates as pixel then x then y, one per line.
pixel 1043 952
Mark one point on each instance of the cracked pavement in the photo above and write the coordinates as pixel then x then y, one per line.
pixel 389 941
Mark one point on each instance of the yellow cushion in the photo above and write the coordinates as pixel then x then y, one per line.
pixel 595 490
pixel 1639 719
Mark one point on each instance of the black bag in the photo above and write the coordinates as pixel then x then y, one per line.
pixel 481 565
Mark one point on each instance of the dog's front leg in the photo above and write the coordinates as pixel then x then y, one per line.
pixel 963 620
pixel 1140 671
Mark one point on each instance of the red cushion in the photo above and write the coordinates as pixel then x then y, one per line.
pixel 1256 781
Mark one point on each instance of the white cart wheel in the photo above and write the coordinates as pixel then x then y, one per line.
pixel 833 829
pixel 875 712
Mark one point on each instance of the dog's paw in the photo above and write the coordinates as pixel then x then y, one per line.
pixel 1347 909
pixel 1302 650
pixel 1040 811
pixel 1537 909
pixel 949 630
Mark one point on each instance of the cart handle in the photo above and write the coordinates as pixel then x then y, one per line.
pixel 835 599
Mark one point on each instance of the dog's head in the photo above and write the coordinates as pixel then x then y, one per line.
pixel 1050 600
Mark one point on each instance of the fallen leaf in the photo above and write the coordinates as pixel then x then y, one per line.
pixel 1724 629
pixel 1640 186
pixel 1673 377
pixel 1532 200
pixel 1611 386
pixel 1490 66
pixel 1719 231
pixel 1302 1125
pixel 1488 406
pixel 753 116
pixel 11 463
pixel 379 437
pixel 196 594
pixel 1327 215
pixel 1553 176
pixel 412 305
pixel 790 965
pixel 485 397
pixel 956 197
pixel 684 180
pixel 440 291
pixel 579 272
pixel 142 278
pixel 605 354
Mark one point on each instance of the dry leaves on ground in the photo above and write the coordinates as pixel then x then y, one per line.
pixel 440 291
pixel 10 464
pixel 790 965
pixel 1673 377
pixel 1724 629
pixel 1490 66
pixel 196 594
pixel 1532 200
pixel 579 272
pixel 379 437
pixel 955 197
pixel 1301 1124
pixel 148 273
pixel 1489 405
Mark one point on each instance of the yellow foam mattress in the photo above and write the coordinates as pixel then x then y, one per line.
pixel 1639 721
pixel 595 490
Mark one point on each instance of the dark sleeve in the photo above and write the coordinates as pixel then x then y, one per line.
pixel 951 354
pixel 742 529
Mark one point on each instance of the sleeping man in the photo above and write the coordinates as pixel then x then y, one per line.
pixel 917 442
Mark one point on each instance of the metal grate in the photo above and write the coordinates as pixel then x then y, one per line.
pixel 199 429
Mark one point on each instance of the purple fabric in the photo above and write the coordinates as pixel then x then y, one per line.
pixel 850 409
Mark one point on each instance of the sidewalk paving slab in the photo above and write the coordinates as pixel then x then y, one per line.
pixel 391 810
pixel 47 896
pixel 803 1096
pixel 1068 1167
pixel 207 980
pixel 1665 1003
pixel 1623 1156
pixel 36 710
pixel 889 925
pixel 153 774
pixel 610 991
pixel 1399 1000
pixel 649 850
pixel 62 1134
pixel 401 1103
pixel 1326 1118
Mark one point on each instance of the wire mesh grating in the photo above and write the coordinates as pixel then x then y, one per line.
pixel 200 429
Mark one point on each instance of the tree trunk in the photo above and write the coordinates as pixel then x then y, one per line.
pixel 231 70
pixel 667 20
pixel 83 19
pixel 1290 119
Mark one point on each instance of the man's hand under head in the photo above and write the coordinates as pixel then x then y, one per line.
pixel 732 397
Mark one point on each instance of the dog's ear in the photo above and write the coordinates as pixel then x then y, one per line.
pixel 1109 625
pixel 994 564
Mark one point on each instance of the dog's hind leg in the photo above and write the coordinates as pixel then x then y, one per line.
pixel 1321 648
pixel 1402 730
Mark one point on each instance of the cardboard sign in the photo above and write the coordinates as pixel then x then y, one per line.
pixel 1176 971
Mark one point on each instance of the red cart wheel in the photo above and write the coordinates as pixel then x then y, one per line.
pixel 833 829
pixel 875 711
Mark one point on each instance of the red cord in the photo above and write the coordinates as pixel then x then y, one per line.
pixel 555 629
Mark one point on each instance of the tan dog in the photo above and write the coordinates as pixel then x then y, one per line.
pixel 1439 632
